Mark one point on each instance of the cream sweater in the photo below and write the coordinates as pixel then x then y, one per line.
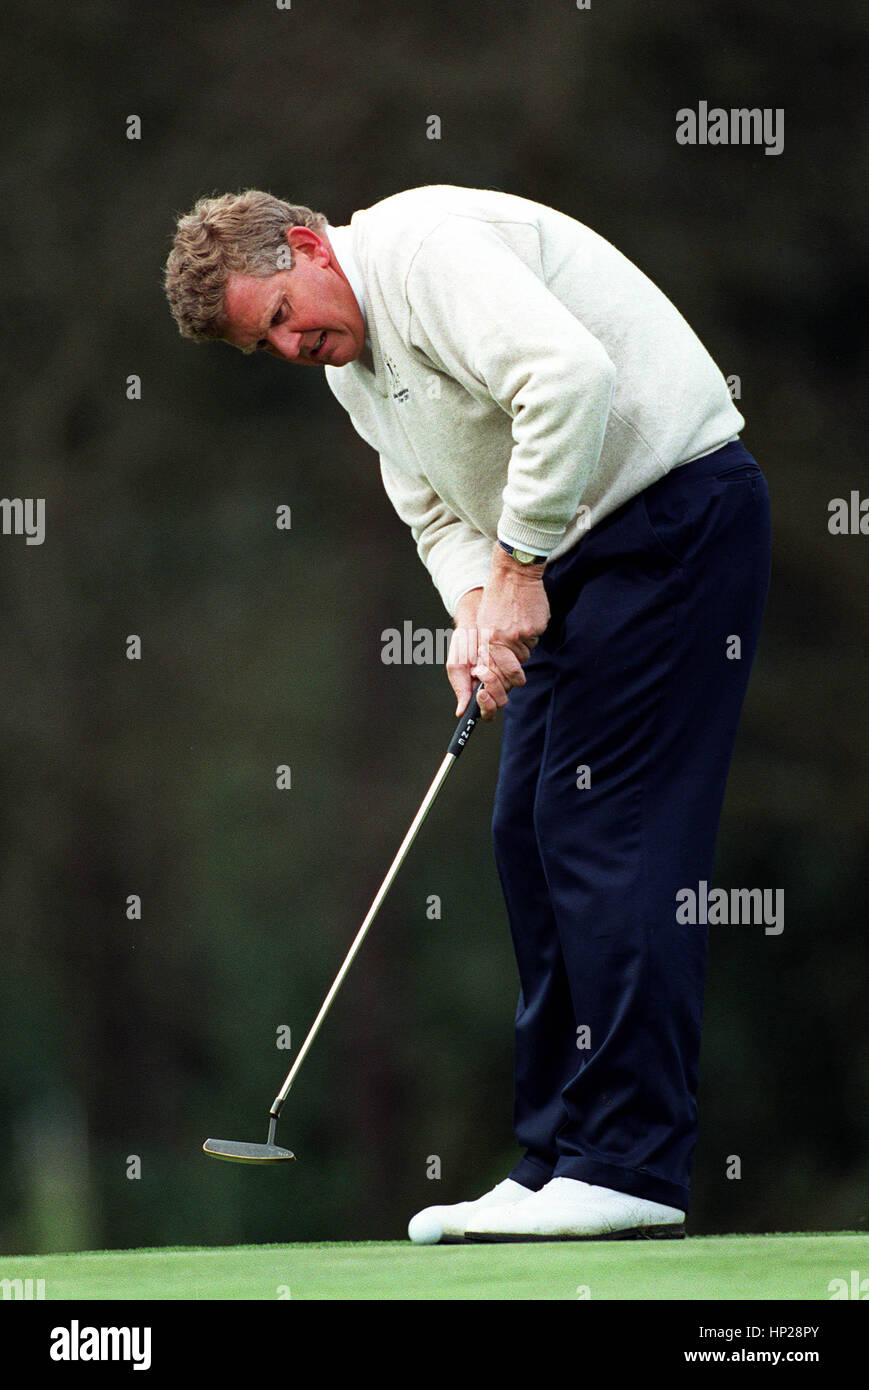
pixel 527 378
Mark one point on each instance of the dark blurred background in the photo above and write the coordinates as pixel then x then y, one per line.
pixel 124 1039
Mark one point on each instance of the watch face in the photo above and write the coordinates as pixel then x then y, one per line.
pixel 523 557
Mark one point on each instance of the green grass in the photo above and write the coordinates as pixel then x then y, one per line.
pixel 714 1267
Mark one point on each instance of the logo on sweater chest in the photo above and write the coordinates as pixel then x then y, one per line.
pixel 398 389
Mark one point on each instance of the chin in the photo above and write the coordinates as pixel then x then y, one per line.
pixel 350 352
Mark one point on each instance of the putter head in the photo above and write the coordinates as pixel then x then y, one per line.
pixel 234 1152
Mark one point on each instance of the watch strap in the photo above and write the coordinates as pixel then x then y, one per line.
pixel 515 550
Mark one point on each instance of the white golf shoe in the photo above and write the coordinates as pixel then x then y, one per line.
pixel 566 1209
pixel 446 1225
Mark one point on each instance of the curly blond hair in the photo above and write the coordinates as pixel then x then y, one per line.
pixel 234 234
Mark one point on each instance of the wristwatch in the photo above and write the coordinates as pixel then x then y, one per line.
pixel 523 557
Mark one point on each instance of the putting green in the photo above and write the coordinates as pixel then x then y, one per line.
pixel 702 1267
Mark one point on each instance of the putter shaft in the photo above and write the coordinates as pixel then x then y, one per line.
pixel 459 739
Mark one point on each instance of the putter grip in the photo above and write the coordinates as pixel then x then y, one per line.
pixel 467 723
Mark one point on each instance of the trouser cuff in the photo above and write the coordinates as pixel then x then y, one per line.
pixel 631 1180
pixel 532 1173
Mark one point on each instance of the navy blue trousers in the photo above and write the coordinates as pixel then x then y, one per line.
pixel 636 680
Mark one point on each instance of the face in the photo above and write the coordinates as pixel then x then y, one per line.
pixel 307 315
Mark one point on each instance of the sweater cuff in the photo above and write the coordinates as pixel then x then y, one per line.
pixel 454 593
pixel 512 530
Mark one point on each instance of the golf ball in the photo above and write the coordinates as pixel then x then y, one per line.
pixel 425 1228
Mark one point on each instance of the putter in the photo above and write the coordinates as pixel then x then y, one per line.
pixel 270 1152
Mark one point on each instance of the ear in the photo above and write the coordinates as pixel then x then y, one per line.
pixel 302 241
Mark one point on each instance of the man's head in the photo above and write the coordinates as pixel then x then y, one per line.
pixel 260 273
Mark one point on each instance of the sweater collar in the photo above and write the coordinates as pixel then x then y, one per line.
pixel 341 239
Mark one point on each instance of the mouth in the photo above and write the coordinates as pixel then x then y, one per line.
pixel 319 343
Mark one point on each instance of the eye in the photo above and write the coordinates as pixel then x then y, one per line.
pixel 277 317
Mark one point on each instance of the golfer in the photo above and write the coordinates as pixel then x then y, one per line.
pixel 567 456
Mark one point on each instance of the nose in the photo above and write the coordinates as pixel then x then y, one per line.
pixel 285 345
